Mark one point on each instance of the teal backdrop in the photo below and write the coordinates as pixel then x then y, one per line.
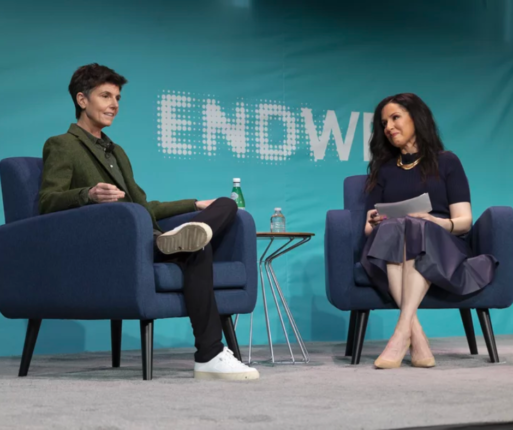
pixel 279 93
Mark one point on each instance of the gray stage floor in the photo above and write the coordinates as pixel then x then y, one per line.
pixel 82 392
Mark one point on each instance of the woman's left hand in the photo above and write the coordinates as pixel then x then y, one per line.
pixel 425 216
pixel 203 204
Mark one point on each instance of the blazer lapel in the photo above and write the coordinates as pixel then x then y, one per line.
pixel 75 130
pixel 124 168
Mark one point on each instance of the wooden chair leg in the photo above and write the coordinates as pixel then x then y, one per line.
pixel 466 317
pixel 30 343
pixel 486 326
pixel 360 329
pixel 350 334
pixel 115 338
pixel 230 336
pixel 147 348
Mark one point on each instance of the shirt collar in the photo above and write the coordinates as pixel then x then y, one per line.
pixel 104 141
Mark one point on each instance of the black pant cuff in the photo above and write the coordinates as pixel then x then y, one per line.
pixel 205 357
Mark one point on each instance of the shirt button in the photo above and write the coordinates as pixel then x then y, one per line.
pixel 111 165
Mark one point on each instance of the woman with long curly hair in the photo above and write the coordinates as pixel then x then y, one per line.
pixel 405 256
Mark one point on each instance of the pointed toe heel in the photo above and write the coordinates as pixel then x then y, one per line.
pixel 381 363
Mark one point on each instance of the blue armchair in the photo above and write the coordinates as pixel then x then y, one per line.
pixel 47 269
pixel 349 288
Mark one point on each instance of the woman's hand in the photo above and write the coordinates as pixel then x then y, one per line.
pixel 203 204
pixel 459 223
pixel 373 220
pixel 424 215
pixel 105 193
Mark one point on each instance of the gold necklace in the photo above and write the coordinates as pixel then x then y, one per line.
pixel 407 166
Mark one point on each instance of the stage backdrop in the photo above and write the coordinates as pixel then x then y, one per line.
pixel 278 93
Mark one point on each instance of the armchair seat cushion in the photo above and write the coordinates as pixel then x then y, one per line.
pixel 169 276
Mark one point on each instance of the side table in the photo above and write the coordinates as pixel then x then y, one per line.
pixel 293 240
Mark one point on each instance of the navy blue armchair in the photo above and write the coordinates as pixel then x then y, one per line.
pixel 48 269
pixel 349 288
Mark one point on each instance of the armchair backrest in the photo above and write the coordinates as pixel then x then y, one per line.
pixel 354 200
pixel 21 181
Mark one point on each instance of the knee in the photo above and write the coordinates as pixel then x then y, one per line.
pixel 229 204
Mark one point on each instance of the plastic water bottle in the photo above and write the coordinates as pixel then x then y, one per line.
pixel 237 194
pixel 277 221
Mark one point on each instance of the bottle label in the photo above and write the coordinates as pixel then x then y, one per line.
pixel 235 196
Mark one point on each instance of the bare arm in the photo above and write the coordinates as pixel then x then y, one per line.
pixel 461 216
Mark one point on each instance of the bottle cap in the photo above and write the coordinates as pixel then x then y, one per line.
pixel 236 179
pixel 277 209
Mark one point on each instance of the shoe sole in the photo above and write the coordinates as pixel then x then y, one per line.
pixel 243 376
pixel 425 363
pixel 190 238
pixel 387 364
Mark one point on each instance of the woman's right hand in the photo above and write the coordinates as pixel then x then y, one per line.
pixel 375 218
pixel 105 193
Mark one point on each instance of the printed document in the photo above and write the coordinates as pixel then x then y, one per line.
pixel 420 204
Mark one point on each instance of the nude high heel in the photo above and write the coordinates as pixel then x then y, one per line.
pixel 423 362
pixel 381 363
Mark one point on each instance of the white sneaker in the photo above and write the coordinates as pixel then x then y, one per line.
pixel 188 237
pixel 225 366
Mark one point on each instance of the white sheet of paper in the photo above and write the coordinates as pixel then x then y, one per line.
pixel 420 204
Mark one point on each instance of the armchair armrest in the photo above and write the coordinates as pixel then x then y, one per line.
pixel 94 262
pixel 493 234
pixel 339 255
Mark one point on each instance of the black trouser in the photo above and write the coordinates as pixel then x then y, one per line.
pixel 198 281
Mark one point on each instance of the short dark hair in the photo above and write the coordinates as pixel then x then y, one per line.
pixel 426 132
pixel 88 77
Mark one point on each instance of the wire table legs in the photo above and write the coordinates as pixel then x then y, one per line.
pixel 266 263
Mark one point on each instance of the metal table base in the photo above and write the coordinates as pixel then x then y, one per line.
pixel 266 263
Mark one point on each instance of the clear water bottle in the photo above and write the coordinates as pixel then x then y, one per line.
pixel 237 194
pixel 277 221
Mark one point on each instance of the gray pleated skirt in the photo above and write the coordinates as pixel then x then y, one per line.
pixel 442 258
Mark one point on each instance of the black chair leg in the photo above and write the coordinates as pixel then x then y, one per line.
pixel 486 326
pixel 350 334
pixel 230 336
pixel 147 348
pixel 30 343
pixel 466 317
pixel 360 327
pixel 115 338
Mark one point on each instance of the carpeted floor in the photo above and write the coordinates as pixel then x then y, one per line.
pixel 83 392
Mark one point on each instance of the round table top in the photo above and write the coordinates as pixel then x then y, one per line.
pixel 287 234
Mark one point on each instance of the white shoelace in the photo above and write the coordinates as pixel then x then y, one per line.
pixel 231 359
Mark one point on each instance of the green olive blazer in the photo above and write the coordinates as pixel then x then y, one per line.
pixel 71 166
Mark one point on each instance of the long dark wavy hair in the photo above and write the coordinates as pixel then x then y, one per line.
pixel 427 138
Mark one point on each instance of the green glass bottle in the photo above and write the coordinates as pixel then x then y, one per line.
pixel 237 194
